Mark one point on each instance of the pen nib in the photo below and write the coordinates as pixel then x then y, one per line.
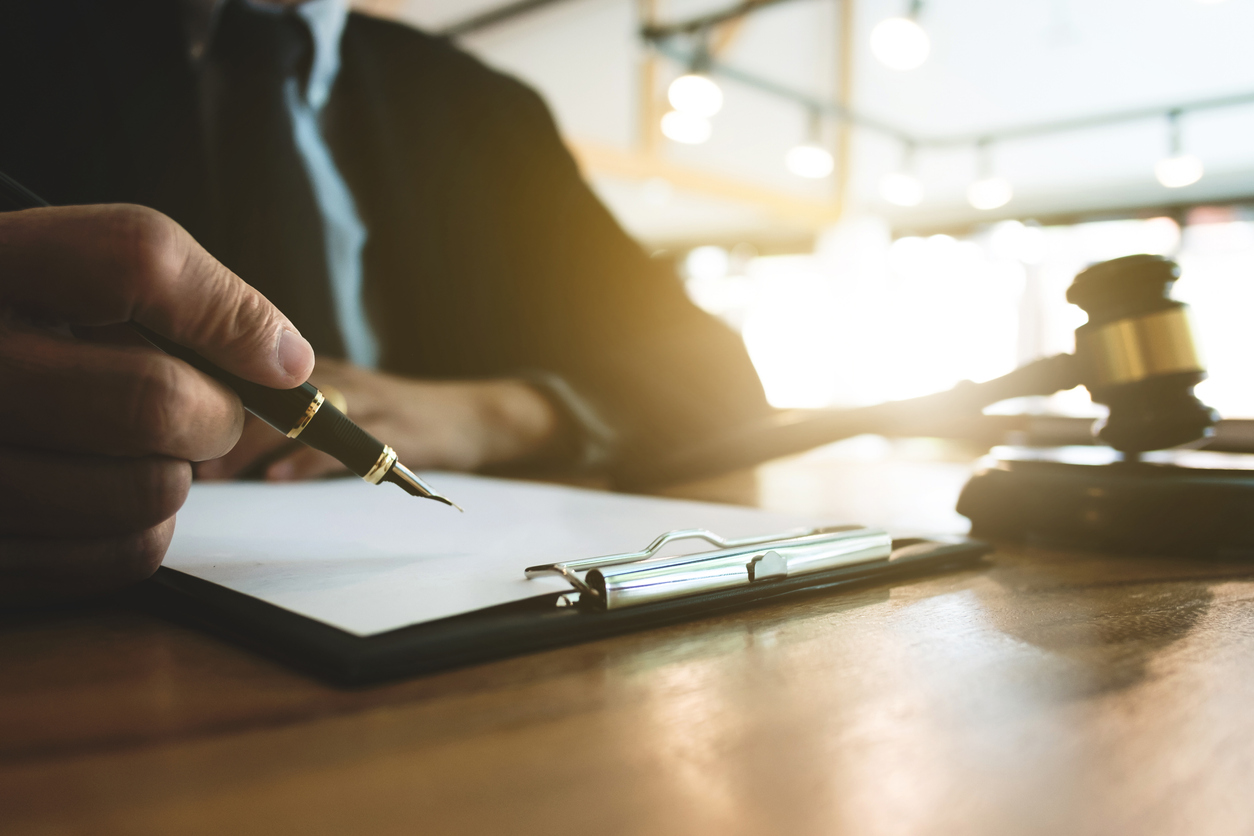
pixel 412 485
pixel 447 502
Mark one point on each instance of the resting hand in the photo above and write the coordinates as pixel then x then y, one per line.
pixel 98 428
pixel 456 425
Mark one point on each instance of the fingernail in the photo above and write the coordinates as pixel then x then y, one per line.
pixel 281 472
pixel 295 354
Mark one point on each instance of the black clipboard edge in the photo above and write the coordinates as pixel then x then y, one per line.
pixel 529 626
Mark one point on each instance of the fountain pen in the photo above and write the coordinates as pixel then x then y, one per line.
pixel 304 414
pixel 301 413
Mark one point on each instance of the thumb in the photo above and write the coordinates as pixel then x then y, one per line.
pixel 101 265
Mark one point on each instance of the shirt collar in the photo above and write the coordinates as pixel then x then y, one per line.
pixel 325 19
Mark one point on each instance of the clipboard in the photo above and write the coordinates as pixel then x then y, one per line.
pixel 609 595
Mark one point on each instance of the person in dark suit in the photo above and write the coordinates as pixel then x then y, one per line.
pixel 412 213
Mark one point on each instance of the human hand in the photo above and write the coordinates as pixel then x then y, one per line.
pixel 98 429
pixel 455 425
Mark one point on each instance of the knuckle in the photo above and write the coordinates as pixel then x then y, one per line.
pixel 250 315
pixel 159 487
pixel 136 557
pixel 169 409
pixel 148 245
pixel 230 433
pixel 241 315
pixel 152 403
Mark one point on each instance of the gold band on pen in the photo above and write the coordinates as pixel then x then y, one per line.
pixel 386 459
pixel 310 412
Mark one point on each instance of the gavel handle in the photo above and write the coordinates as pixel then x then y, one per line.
pixel 955 413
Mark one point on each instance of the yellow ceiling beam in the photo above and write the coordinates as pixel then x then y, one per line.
pixel 597 158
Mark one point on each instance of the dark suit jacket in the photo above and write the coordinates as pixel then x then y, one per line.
pixel 487 253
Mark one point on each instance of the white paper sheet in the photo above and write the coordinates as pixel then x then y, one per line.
pixel 368 559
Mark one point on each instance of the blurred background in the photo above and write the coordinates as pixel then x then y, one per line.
pixel 885 197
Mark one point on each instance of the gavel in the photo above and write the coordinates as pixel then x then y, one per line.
pixel 1136 355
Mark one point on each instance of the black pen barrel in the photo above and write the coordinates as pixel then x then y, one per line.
pixel 300 412
pixel 333 433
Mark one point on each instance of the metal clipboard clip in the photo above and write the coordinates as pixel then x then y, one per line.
pixel 622 580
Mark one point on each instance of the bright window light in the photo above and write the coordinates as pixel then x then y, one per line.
pixel 901 189
pixel 1016 241
pixel 989 193
pixel 707 263
pixel 919 314
pixel 900 43
pixel 1180 170
pixel 686 128
pixel 697 95
pixel 810 161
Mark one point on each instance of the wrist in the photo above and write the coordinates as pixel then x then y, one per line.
pixel 519 424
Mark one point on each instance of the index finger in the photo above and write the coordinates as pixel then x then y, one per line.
pixel 101 265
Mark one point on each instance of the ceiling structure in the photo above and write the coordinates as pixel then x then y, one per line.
pixel 1027 91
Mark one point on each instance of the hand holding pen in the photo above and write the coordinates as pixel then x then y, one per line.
pixel 98 433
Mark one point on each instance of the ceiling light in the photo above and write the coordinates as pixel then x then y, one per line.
pixel 686 127
pixel 809 160
pixel 901 189
pixel 695 94
pixel 1177 169
pixel 989 193
pixel 900 43
pixel 1180 170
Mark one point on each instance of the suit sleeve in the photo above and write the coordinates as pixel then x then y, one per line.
pixel 594 309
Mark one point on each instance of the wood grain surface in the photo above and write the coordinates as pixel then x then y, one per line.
pixel 1054 692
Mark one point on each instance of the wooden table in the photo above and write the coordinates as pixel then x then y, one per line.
pixel 1054 693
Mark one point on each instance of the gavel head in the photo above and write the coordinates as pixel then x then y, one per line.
pixel 1137 354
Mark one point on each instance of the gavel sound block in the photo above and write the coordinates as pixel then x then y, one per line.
pixel 1136 354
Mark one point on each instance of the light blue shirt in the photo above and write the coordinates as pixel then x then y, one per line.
pixel 344 235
